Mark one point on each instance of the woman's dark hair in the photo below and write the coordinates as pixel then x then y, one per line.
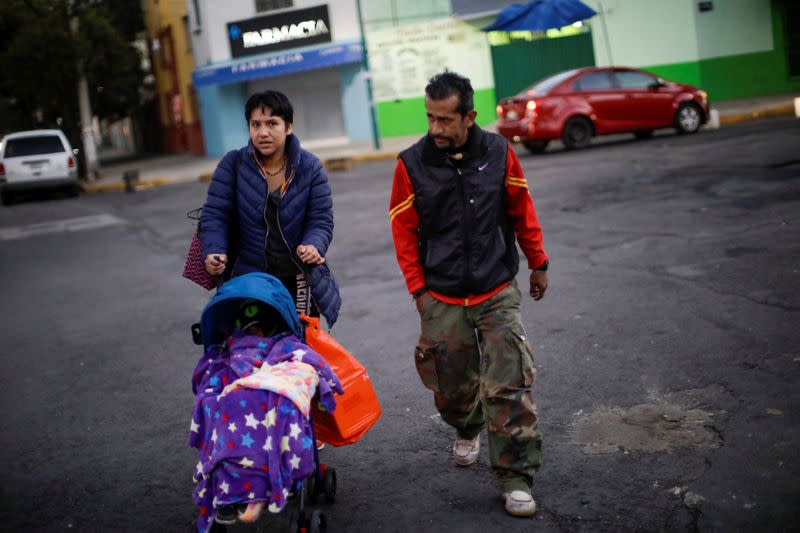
pixel 446 84
pixel 275 100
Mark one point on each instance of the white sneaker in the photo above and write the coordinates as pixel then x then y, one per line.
pixel 519 503
pixel 465 451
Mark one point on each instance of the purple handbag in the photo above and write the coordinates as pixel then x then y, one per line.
pixel 194 269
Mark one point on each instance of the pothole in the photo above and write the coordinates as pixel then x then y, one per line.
pixel 645 428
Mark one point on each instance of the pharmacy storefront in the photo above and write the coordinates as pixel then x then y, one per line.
pixel 301 53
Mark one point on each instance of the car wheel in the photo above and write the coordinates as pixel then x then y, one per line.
pixel 6 198
pixel 688 118
pixel 73 190
pixel 535 147
pixel 643 134
pixel 577 133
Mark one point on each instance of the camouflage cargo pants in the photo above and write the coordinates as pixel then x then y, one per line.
pixel 490 386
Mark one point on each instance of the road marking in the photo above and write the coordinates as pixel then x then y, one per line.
pixel 59 226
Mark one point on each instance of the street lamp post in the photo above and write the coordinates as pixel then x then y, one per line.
pixel 605 32
pixel 85 108
pixel 376 140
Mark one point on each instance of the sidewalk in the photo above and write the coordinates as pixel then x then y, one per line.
pixel 743 110
pixel 180 168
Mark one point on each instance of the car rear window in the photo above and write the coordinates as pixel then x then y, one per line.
pixel 594 81
pixel 543 87
pixel 25 146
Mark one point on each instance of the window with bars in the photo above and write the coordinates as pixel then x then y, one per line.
pixel 272 5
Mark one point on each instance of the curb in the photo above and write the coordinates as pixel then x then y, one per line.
pixel 345 163
pixel 782 110
pixel 120 186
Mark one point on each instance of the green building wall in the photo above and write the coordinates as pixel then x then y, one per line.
pixel 736 50
pixel 741 75
pixel 407 117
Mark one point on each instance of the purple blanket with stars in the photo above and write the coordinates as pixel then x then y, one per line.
pixel 254 445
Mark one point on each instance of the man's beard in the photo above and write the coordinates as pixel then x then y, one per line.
pixel 451 143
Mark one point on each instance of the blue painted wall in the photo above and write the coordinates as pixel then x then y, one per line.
pixel 222 109
pixel 355 104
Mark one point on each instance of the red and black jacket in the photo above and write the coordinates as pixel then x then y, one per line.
pixel 454 222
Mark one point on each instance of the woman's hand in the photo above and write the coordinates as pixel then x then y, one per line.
pixel 215 263
pixel 309 254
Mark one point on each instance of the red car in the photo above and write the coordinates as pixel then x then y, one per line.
pixel 576 105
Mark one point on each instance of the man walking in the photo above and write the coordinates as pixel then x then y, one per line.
pixel 459 200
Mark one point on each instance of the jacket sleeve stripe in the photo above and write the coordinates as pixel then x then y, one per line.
pixel 523 213
pixel 405 204
pixel 519 182
pixel 405 224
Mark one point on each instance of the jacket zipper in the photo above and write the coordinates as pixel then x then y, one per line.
pixel 464 227
pixel 291 252
pixel 280 229
pixel 266 222
pixel 264 212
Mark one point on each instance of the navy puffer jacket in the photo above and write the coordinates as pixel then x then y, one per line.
pixel 305 216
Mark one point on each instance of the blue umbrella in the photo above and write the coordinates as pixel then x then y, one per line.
pixel 541 15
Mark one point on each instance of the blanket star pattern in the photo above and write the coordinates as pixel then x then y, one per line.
pixel 254 444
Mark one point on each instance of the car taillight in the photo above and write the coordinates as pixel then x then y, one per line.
pixel 2 169
pixel 499 111
pixel 531 108
pixel 70 162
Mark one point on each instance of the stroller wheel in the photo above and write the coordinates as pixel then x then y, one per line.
pixel 310 488
pixel 329 484
pixel 294 522
pixel 317 523
pixel 216 527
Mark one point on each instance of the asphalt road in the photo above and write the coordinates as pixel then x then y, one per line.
pixel 667 347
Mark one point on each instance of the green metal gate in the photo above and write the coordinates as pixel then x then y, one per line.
pixel 520 63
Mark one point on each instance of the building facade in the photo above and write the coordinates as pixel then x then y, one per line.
pixel 730 48
pixel 170 47
pixel 309 50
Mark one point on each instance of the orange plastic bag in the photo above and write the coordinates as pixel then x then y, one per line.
pixel 358 408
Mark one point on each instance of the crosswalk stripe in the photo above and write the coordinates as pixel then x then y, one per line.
pixel 60 226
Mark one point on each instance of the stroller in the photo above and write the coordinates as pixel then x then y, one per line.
pixel 227 350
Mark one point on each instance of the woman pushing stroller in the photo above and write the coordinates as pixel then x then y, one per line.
pixel 253 390
pixel 269 209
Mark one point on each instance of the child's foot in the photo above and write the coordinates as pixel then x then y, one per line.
pixel 252 512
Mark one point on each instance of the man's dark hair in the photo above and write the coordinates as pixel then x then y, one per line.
pixel 446 84
pixel 275 100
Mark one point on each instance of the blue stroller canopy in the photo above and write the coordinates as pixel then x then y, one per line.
pixel 216 322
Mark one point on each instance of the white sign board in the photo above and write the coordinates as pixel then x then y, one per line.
pixel 403 59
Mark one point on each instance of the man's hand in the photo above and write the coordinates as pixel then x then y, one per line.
pixel 309 254
pixel 215 263
pixel 538 284
pixel 422 300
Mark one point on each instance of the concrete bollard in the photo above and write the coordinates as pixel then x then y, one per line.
pixel 713 120
pixel 130 178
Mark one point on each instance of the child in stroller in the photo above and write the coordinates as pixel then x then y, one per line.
pixel 254 387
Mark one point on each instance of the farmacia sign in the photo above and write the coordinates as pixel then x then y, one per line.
pixel 301 27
